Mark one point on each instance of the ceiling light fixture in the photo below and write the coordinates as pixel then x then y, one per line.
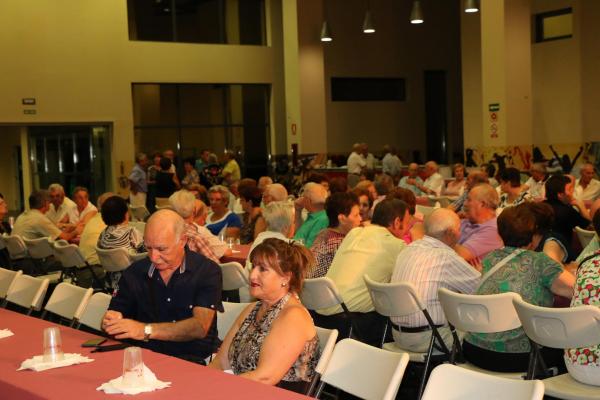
pixel 368 26
pixel 471 6
pixel 416 14
pixel 326 33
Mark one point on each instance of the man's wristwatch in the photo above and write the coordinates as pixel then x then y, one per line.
pixel 147 332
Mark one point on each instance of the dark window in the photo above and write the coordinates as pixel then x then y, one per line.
pixel 197 21
pixel 190 117
pixel 554 25
pixel 368 89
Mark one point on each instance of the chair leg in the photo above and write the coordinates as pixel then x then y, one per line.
pixel 319 389
pixel 313 384
pixel 30 310
pixel 385 330
pixel 43 316
pixel 426 369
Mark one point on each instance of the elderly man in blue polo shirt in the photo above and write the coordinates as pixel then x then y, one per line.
pixel 168 301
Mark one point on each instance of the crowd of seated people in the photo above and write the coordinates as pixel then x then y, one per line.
pixel 515 237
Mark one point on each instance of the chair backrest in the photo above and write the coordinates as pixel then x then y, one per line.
pixel 28 292
pixel 226 319
pixel 68 300
pixel 234 276
pixel 39 248
pixel 114 260
pixel 15 246
pixel 449 381
pixel 394 299
pixel 585 236
pixel 327 338
pixel 480 313
pixel 94 311
pixel 425 210
pixel 365 371
pixel 7 277
pixel 319 293
pixel 140 226
pixel 139 213
pixel 560 328
pixel 68 254
pixel 161 202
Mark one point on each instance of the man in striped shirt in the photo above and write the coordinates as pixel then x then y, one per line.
pixel 429 264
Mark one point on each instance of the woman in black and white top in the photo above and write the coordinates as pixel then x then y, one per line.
pixel 118 233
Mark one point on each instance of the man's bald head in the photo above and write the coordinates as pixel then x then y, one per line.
pixel 443 225
pixel 165 220
pixel 475 178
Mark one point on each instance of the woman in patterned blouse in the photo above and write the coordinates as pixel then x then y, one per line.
pixel 584 363
pixel 274 340
pixel 513 192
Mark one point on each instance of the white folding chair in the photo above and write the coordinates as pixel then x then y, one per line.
pixel 585 236
pixel 94 311
pixel 234 276
pixel 321 293
pixel 114 261
pixel 28 292
pixel 364 371
pixel 561 328
pixel 226 319
pixel 71 259
pixel 425 210
pixel 7 277
pixel 480 314
pixel 162 202
pixel 139 213
pixel 399 299
pixel 16 247
pixel 327 338
pixel 68 301
pixel 451 382
pixel 140 226
pixel 39 251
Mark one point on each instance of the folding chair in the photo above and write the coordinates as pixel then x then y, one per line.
pixel 451 382
pixel 68 301
pixel 19 257
pixel 585 236
pixel 234 276
pixel 140 226
pixel 226 319
pixel 364 371
pixel 139 213
pixel 560 328
pixel 41 251
pixel 71 260
pixel 397 300
pixel 114 261
pixel 94 311
pixel 425 210
pixel 27 292
pixel 327 339
pixel 320 293
pixel 480 314
pixel 7 277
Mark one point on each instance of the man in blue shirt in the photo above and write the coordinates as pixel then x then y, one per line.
pixel 313 201
pixel 138 183
pixel 168 301
pixel 412 182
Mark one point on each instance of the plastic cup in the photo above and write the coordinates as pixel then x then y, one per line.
pixel 230 242
pixel 133 367
pixel 52 345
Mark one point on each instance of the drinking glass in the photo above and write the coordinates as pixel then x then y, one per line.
pixel 52 345
pixel 133 367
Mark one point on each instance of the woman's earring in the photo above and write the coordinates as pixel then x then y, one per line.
pixel 283 284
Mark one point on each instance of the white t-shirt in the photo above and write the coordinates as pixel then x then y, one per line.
pixel 356 163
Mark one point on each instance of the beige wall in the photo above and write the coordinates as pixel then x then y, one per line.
pixel 396 49
pixel 76 59
pixel 590 68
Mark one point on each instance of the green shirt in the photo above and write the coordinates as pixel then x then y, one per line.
pixel 530 274
pixel 315 223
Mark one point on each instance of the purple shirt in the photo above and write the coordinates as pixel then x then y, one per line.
pixel 480 239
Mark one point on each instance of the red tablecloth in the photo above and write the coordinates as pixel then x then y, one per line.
pixel 188 380
pixel 240 254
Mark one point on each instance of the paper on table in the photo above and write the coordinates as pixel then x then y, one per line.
pixel 235 251
pixel 150 384
pixel 5 333
pixel 37 362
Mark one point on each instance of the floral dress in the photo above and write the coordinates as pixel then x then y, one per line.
pixel 584 363
pixel 245 348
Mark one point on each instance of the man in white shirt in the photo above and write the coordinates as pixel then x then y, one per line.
pixel 356 164
pixel 434 183
pixel 587 188
pixel 59 204
pixel 430 264
pixel 85 210
pixel 369 158
pixel 391 164
pixel 536 182
pixel 372 251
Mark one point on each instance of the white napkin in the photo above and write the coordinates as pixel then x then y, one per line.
pixel 37 362
pixel 236 251
pixel 150 384
pixel 5 333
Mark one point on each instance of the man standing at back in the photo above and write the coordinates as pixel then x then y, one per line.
pixel 429 264
pixel 138 184
pixel 167 302
pixel 356 164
